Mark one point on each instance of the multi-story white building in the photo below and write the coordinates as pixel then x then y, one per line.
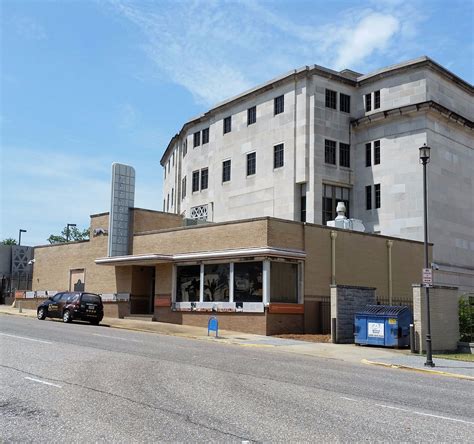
pixel 296 145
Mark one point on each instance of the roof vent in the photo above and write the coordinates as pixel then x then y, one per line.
pixel 343 222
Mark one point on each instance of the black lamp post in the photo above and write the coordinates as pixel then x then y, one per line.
pixel 67 231
pixel 424 159
pixel 19 236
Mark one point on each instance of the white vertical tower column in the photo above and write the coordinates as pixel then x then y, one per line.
pixel 201 284
pixel 173 283
pixel 231 282
pixel 266 282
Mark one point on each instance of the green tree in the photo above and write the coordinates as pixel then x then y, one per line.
pixel 8 241
pixel 74 235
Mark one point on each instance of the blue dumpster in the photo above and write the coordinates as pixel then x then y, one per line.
pixel 383 325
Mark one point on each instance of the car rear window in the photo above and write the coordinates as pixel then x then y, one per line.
pixel 91 298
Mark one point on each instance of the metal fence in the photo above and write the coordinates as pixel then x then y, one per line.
pixel 396 301
pixel 10 283
pixel 466 318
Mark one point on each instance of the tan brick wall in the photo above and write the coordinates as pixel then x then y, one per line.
pixel 285 234
pixel 246 234
pixel 145 220
pixel 163 276
pixel 444 316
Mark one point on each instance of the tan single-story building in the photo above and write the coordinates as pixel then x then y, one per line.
pixel 262 275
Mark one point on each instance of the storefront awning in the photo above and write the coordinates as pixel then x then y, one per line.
pixel 150 259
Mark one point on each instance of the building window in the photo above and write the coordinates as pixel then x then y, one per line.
pixel 377 195
pixel 377 99
pixel 344 155
pixel 368 102
pixel 168 202
pixel 172 196
pixel 172 157
pixel 183 188
pixel 204 178
pixel 216 282
pixel 368 197
pixel 199 212
pixel 165 171
pixel 368 154
pixel 303 209
pixel 284 282
pixel 226 171
pixel 248 282
pixel 164 204
pixel 331 99
pixel 188 283
pixel 279 105
pixel 205 136
pixel 185 147
pixel 197 139
pixel 331 196
pixel 251 163
pixel 227 124
pixel 195 181
pixel 330 152
pixel 251 115
pixel 344 103
pixel 377 152
pixel 278 156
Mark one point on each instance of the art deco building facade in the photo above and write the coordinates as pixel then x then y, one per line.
pixel 295 146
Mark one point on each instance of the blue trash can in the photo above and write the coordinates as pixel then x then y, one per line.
pixel 383 325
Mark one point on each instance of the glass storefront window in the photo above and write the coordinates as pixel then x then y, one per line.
pixel 248 282
pixel 216 282
pixel 188 281
pixel 284 282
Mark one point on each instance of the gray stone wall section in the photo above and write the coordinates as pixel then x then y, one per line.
pixel 345 302
pixel 444 316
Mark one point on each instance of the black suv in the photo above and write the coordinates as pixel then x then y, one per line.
pixel 72 305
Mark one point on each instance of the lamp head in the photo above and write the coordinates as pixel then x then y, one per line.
pixel 425 154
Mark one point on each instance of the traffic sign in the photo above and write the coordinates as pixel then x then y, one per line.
pixel 427 276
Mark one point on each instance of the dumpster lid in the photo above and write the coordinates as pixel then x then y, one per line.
pixel 383 310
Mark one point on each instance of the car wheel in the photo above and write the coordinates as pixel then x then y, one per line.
pixel 67 316
pixel 41 314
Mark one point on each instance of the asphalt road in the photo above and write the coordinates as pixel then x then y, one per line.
pixel 77 382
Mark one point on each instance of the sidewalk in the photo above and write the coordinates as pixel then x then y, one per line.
pixel 344 352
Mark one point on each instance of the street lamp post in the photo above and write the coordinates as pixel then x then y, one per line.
pixel 67 231
pixel 19 235
pixel 424 159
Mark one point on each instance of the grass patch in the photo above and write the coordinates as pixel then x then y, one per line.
pixel 468 357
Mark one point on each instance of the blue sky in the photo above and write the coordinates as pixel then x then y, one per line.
pixel 87 83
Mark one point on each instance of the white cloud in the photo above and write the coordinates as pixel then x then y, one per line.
pixel 29 28
pixel 218 49
pixel 373 33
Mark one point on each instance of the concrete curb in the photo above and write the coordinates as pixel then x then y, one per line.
pixel 415 369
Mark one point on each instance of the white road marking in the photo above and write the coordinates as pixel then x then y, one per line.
pixel 116 337
pixel 43 382
pixel 27 339
pixel 349 399
pixel 424 414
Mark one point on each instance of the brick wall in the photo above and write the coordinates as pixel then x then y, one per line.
pixel 345 302
pixel 444 311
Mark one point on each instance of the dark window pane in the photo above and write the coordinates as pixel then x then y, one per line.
pixel 183 188
pixel 368 154
pixel 205 135
pixel 228 124
pixel 279 104
pixel 303 209
pixel 187 283
pixel 197 139
pixel 226 170
pixel 248 282
pixel 377 195
pixel 368 102
pixel 251 163
pixel 376 152
pixel 331 99
pixel 376 99
pixel 216 283
pixel 195 181
pixel 185 149
pixel 345 103
pixel 330 152
pixel 91 298
pixel 251 115
pixel 344 155
pixel 368 197
pixel 284 282
pixel 204 178
pixel 278 156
